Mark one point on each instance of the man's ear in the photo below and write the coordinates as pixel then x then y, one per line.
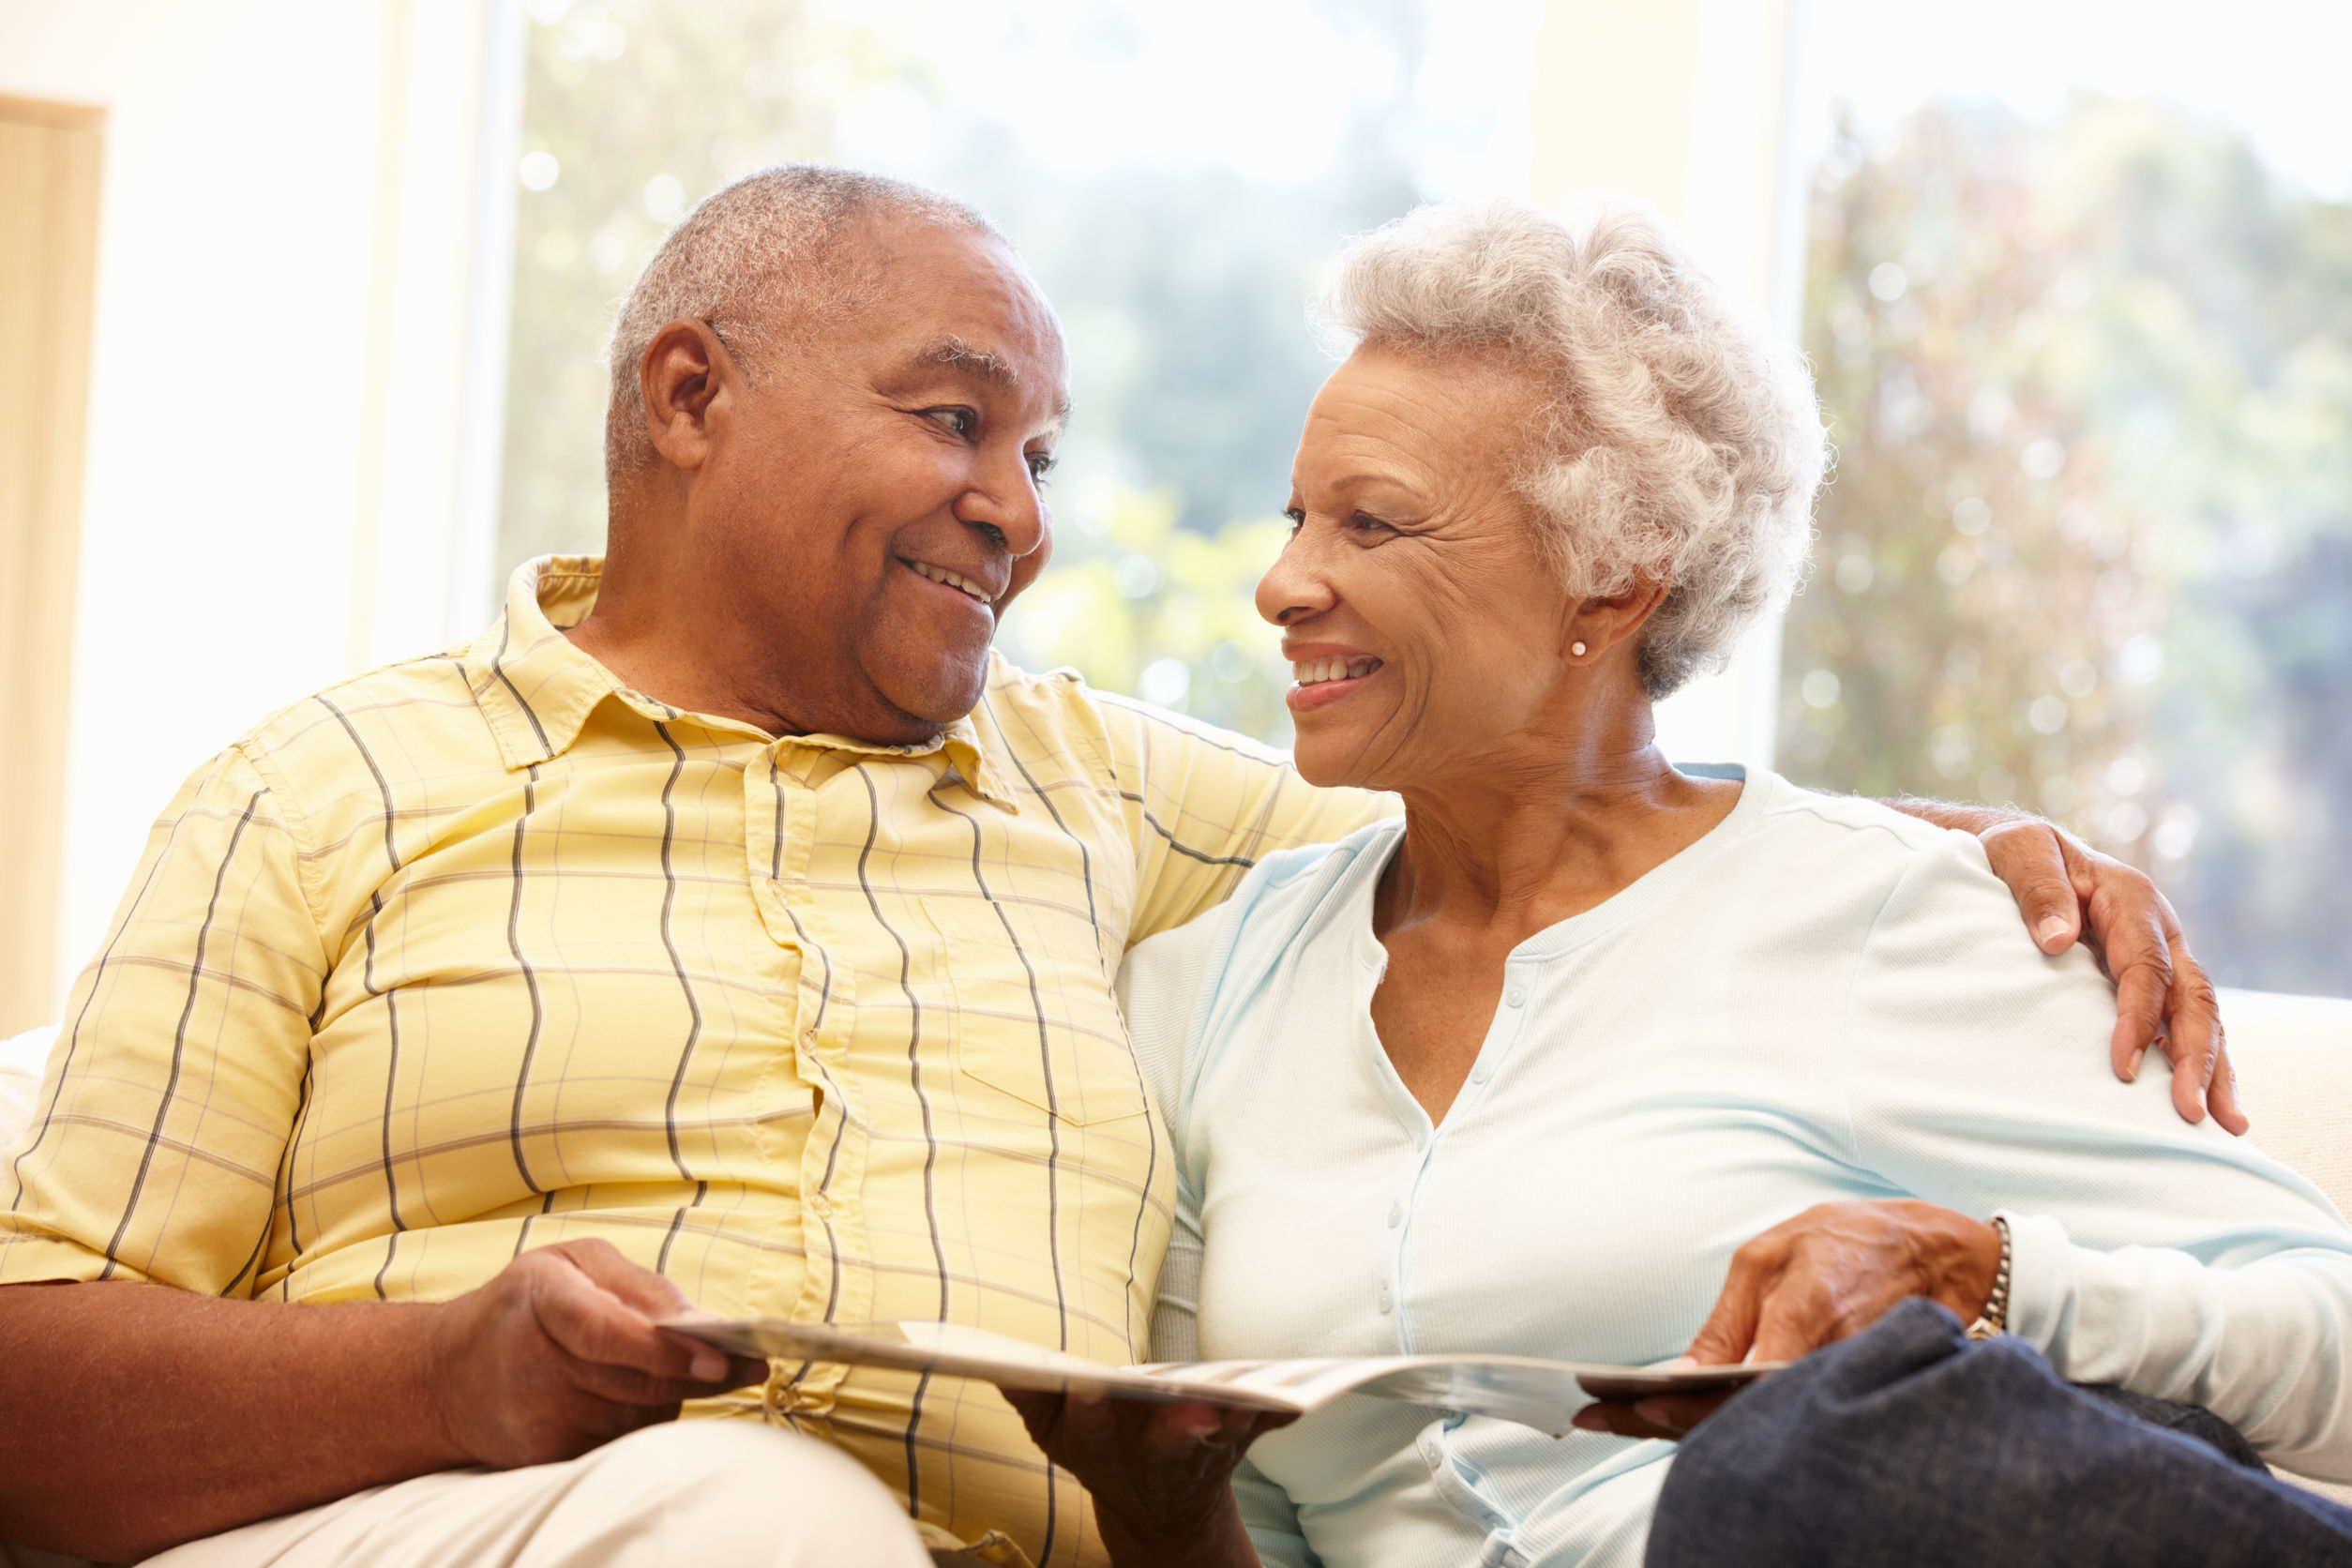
pixel 1598 624
pixel 686 370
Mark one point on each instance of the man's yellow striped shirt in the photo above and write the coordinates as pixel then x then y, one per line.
pixel 482 951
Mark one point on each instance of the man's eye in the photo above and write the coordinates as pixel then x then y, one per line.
pixel 1040 464
pixel 960 420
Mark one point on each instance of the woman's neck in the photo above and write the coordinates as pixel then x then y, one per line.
pixel 1524 842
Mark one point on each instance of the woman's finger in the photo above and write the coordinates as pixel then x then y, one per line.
pixel 1670 1416
pixel 1730 1327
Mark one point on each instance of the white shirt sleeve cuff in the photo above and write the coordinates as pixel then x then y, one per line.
pixel 2041 1279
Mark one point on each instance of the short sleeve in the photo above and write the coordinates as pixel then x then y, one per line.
pixel 1204 806
pixel 170 1092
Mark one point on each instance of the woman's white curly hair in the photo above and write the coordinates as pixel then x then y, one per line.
pixel 1674 440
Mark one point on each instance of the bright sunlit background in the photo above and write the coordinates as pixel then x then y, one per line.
pixel 2076 278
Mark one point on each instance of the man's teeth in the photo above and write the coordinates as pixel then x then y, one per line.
pixel 941 574
pixel 1314 671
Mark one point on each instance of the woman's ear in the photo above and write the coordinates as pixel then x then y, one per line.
pixel 684 368
pixel 1598 624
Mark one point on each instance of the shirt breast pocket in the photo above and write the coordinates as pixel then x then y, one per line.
pixel 1034 1015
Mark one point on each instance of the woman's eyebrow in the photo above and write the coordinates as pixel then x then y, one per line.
pixel 1372 479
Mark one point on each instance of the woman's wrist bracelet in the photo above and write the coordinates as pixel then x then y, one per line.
pixel 1994 1319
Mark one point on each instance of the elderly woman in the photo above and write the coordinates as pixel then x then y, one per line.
pixel 1589 1059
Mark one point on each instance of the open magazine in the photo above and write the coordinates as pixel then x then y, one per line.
pixel 1544 1394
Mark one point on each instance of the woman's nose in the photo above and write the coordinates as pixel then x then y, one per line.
pixel 1294 587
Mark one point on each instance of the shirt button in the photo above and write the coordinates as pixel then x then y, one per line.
pixel 808 1038
pixel 1516 997
pixel 1385 1301
pixel 1395 1215
pixel 820 1205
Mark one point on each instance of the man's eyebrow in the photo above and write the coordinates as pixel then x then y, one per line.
pixel 994 369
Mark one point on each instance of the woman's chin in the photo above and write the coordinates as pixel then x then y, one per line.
pixel 1329 762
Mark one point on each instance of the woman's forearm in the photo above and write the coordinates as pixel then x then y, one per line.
pixel 2266 1346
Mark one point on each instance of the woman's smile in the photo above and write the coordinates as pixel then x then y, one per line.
pixel 1322 675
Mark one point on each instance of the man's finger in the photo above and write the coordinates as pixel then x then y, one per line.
pixel 2221 1097
pixel 2139 1010
pixel 1040 1411
pixel 652 1294
pixel 591 1324
pixel 625 1385
pixel 2200 1064
pixel 2028 855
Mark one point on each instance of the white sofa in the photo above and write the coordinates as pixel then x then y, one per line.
pixel 2294 1057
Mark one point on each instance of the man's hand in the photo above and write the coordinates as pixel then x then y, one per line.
pixel 559 1353
pixel 1811 1281
pixel 139 1416
pixel 2068 891
pixel 1161 1474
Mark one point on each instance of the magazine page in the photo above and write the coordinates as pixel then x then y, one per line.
pixel 1544 1394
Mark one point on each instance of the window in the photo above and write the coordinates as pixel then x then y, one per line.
pixel 2076 280
pixel 2086 345
pixel 1174 174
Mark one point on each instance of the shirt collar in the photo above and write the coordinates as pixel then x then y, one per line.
pixel 536 688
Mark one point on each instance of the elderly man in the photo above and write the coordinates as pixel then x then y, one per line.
pixel 723 927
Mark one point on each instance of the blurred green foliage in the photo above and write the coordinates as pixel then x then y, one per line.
pixel 1183 291
pixel 1140 604
pixel 646 106
pixel 2088 547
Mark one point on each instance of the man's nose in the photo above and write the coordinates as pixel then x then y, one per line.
pixel 1006 501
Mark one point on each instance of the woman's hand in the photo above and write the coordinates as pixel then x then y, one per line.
pixel 1827 1274
pixel 1160 1474
pixel 2067 891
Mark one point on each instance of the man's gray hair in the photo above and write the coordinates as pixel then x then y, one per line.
pixel 1672 440
pixel 762 261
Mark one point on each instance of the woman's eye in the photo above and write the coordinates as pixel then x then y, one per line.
pixel 1298 518
pixel 1366 524
pixel 960 420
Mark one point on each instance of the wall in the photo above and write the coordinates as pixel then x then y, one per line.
pixel 295 368
pixel 1688 106
pixel 50 158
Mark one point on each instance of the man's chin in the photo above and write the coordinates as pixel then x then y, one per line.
pixel 938 694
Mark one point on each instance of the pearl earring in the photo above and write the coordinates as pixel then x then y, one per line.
pixel 1577 648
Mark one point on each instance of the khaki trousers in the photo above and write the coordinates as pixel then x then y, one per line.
pixel 694 1494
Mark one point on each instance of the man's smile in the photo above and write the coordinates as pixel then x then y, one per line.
pixel 951 579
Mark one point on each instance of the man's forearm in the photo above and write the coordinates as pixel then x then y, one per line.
pixel 1944 813
pixel 138 1417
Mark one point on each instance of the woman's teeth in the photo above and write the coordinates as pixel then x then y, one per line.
pixel 941 574
pixel 1314 671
